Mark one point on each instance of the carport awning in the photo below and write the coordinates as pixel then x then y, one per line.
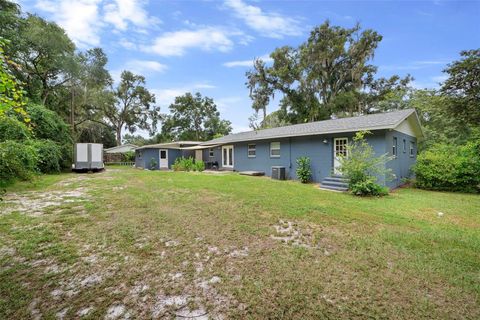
pixel 201 147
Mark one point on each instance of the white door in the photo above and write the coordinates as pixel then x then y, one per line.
pixel 227 156
pixel 339 150
pixel 199 155
pixel 163 158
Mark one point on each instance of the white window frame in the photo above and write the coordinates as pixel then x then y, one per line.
pixel 250 149
pixel 271 149
pixel 211 153
pixel 394 147
pixel 412 149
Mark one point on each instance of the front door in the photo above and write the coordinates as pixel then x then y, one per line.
pixel 163 158
pixel 227 156
pixel 339 150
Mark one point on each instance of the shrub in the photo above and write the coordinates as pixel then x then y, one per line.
pixel 368 188
pixel 17 161
pixel 13 129
pixel 129 156
pixel 199 166
pixel 449 168
pixel 49 155
pixel 184 164
pixel 304 172
pixel 362 167
pixel 153 164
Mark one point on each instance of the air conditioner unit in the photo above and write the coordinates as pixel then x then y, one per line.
pixel 279 173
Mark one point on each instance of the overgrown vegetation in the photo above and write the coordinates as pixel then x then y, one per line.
pixel 188 164
pixel 304 170
pixel 449 168
pixel 363 167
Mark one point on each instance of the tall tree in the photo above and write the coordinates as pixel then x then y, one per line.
pixel 129 106
pixel 44 54
pixel 329 73
pixel 194 117
pixel 463 86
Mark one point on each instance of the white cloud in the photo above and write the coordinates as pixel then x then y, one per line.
pixel 83 20
pixel 268 24
pixel 164 97
pixel 79 18
pixel 176 43
pixel 123 13
pixel 247 63
pixel 145 66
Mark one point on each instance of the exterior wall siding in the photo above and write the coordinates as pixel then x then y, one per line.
pixel 402 165
pixel 320 154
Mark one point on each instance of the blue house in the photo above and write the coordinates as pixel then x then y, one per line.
pixel 395 133
pixel 163 155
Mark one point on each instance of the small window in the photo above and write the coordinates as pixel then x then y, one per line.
pixel 412 148
pixel 275 149
pixel 252 151
pixel 210 153
pixel 139 154
pixel 394 147
pixel 404 146
pixel 163 154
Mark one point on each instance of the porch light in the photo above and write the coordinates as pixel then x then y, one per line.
pixel 325 141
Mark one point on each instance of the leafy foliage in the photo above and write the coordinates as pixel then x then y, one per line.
pixel 449 167
pixel 184 164
pixel 194 117
pixel 304 171
pixel 463 85
pixel 329 73
pixel 363 167
pixel 17 161
pixel 153 164
pixel 49 155
pixel 12 129
pixel 93 132
pixel 11 91
pixel 199 166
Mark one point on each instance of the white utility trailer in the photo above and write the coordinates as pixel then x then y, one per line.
pixel 88 157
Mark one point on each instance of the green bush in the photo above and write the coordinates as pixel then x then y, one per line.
pixel 49 155
pixel 449 168
pixel 183 164
pixel 199 166
pixel 47 124
pixel 304 171
pixel 129 156
pixel 13 129
pixel 153 164
pixel 17 161
pixel 368 188
pixel 362 167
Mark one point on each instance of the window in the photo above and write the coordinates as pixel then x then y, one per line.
pixel 163 154
pixel 252 152
pixel 275 149
pixel 139 154
pixel 404 145
pixel 210 153
pixel 412 148
pixel 394 147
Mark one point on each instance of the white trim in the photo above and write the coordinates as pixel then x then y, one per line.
pixel 254 150
pixel 228 160
pixel 279 149
pixel 336 162
pixel 164 160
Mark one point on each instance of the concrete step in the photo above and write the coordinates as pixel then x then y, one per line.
pixel 336 179
pixel 333 188
pixel 340 184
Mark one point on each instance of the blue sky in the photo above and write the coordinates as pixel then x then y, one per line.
pixel 207 46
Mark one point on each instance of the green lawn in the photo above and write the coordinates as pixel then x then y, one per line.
pixel 142 244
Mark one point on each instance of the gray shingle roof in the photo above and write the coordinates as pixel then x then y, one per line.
pixel 388 120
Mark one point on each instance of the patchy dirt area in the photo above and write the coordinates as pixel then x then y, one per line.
pixel 134 244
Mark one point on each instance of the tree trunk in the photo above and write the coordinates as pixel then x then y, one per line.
pixel 119 135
